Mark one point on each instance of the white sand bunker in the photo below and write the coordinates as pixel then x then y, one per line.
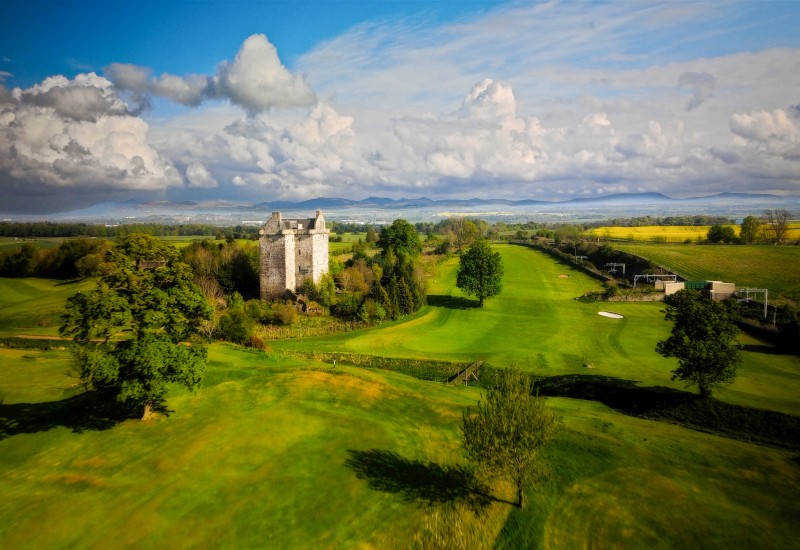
pixel 562 276
pixel 610 314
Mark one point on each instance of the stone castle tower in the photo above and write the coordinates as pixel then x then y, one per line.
pixel 291 251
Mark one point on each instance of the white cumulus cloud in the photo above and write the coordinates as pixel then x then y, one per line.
pixel 255 80
pixel 75 134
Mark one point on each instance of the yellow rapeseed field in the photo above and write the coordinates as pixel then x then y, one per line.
pixel 669 233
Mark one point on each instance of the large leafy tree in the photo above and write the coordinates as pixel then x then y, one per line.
pixel 401 237
pixel 505 435
pixel 719 233
pixel 132 330
pixel 480 272
pixel 703 339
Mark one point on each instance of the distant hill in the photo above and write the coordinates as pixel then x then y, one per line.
pixel 380 208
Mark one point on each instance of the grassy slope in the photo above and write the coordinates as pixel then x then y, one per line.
pixel 536 323
pixel 258 459
pixel 776 268
pixel 34 306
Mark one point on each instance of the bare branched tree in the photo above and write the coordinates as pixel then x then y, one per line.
pixel 778 221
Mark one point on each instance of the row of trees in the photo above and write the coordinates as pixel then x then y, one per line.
pixel 771 227
pixel 73 229
pixel 72 258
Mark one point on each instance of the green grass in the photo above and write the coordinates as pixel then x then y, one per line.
pixel 263 455
pixel 776 268
pixel 12 244
pixel 536 324
pixel 259 458
pixel 350 238
pixel 31 376
pixel 34 306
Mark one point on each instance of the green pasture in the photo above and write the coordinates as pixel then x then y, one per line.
pixel 776 268
pixel 336 247
pixel 34 306
pixel 282 453
pixel 351 238
pixel 12 244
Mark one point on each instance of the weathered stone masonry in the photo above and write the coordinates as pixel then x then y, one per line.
pixel 291 251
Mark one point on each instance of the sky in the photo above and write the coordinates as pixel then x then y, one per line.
pixel 254 101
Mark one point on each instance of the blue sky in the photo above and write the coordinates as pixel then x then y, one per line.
pixel 255 101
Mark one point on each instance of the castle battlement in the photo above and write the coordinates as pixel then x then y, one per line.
pixel 291 251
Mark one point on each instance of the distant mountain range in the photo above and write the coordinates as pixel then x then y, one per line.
pixel 423 202
pixel 376 209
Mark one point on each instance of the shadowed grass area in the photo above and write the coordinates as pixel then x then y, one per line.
pixel 421 481
pixel 687 409
pixel 84 412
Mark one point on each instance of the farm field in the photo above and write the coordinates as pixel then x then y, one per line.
pixel 11 244
pixel 278 452
pixel 776 268
pixel 670 233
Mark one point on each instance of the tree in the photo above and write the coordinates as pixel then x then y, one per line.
pixel 703 339
pixel 131 330
pixel 372 235
pixel 480 272
pixel 401 237
pixel 508 431
pixel 778 221
pixel 749 229
pixel 721 234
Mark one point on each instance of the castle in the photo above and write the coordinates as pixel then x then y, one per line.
pixel 291 252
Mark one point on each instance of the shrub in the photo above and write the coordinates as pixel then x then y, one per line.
pixel 371 311
pixel 236 326
pixel 285 313
pixel 347 306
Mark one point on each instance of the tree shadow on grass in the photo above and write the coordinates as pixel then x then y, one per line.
pixel 678 407
pixel 70 282
pixel 84 412
pixel 769 350
pixel 451 302
pixel 420 482
pixel 623 395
